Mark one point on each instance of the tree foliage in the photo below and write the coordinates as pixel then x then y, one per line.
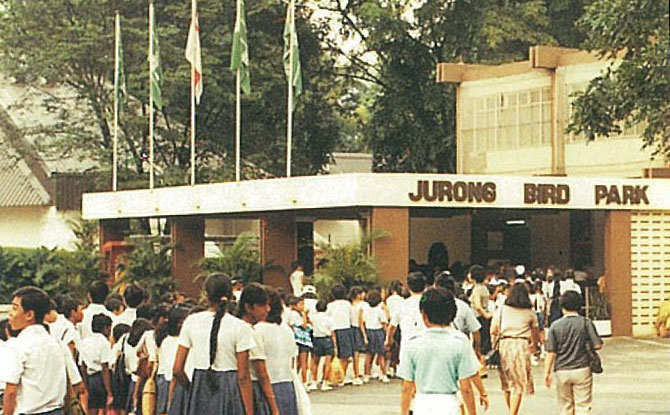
pixel 409 123
pixel 71 43
pixel 149 265
pixel 635 88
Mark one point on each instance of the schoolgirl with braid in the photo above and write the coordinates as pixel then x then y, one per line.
pixel 219 345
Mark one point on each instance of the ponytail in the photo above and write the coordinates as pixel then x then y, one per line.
pixel 218 290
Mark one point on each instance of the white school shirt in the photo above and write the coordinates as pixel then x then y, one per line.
pixel 167 352
pixel 275 345
pixel 340 312
pixel 4 356
pixel 409 319
pixel 295 318
pixel 131 359
pixel 374 317
pixel 148 341
pixel 89 312
pixel 115 351
pixel 355 310
pixel 38 365
pixel 539 302
pixel 570 285
pixel 95 351
pixel 394 304
pixel 234 336
pixel 322 324
pixel 63 331
pixel 296 280
pixel 128 317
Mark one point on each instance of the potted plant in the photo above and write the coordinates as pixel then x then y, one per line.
pixel 598 311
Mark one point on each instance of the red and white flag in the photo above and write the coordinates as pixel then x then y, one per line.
pixel 193 55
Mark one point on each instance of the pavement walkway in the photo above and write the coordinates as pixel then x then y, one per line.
pixel 636 381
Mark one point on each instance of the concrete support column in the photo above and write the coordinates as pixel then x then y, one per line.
pixel 279 246
pixel 188 237
pixel 618 271
pixel 392 252
pixel 112 230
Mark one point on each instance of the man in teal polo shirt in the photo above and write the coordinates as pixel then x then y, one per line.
pixel 438 362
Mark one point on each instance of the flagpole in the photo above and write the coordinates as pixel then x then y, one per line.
pixel 193 17
pixel 289 123
pixel 115 154
pixel 151 100
pixel 238 123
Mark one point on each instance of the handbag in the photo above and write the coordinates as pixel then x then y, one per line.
pixel 492 358
pixel 595 363
pixel 336 371
pixel 149 392
pixel 302 399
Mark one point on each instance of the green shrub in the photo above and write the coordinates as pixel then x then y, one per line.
pixel 150 265
pixel 240 261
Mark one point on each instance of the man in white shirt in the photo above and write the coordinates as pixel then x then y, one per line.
pixel 37 367
pixel 133 296
pixel 97 294
pixel 569 283
pixel 409 317
pixel 297 278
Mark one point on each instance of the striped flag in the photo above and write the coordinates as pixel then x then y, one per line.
pixel 193 55
pixel 292 52
pixel 240 54
pixel 156 74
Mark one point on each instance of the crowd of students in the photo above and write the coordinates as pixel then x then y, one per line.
pixel 255 350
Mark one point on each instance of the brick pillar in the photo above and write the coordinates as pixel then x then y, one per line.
pixel 111 230
pixel 392 252
pixel 279 246
pixel 188 236
pixel 618 271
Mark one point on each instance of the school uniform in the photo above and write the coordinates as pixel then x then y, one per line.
pixel 38 365
pixel 275 345
pixel 409 319
pixel 128 317
pixel 359 341
pixel 435 360
pixel 302 334
pixel 132 362
pixel 340 312
pixel 179 401
pixel 63 331
pixel 234 336
pixel 322 324
pixel 88 313
pixel 4 355
pixel 167 352
pixel 95 351
pixel 394 304
pixel 375 318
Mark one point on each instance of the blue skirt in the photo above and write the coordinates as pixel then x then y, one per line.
pixel 345 343
pixel 359 342
pixel 376 339
pixel 323 346
pixel 284 396
pixel 225 400
pixel 129 399
pixel 97 394
pixel 179 400
pixel 162 390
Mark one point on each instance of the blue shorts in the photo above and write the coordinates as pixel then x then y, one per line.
pixel 323 346
pixel 376 339
pixel 359 341
pixel 345 343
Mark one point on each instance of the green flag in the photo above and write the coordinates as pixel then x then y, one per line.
pixel 156 74
pixel 292 52
pixel 239 58
pixel 120 87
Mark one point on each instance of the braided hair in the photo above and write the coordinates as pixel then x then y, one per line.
pixel 218 290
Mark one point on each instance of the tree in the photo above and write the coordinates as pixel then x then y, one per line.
pixel 635 88
pixel 240 261
pixel 410 120
pixel 70 43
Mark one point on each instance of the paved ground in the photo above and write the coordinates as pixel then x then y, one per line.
pixel 636 382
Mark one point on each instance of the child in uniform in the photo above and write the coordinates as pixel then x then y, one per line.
pixel 324 343
pixel 302 332
pixel 166 341
pixel 356 297
pixel 95 351
pixel 340 311
pixel 220 345
pixel 373 325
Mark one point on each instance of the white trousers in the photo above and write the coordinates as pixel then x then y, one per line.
pixel 433 404
pixel 574 389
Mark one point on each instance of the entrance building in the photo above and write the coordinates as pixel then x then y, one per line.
pixel 619 228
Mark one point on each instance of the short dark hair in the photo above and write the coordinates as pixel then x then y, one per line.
pixel 477 273
pixel 33 299
pixel 98 291
pixel 321 306
pixel 133 295
pixel 374 298
pixel 446 281
pixel 6 331
pixel 113 304
pixel 416 282
pixel 396 287
pixel 354 292
pixel 571 301
pixel 66 304
pixel 339 292
pixel 146 311
pixel 438 305
pixel 276 306
pixel 119 330
pixel 100 322
pixel 253 294
pixel 518 296
pixel 295 265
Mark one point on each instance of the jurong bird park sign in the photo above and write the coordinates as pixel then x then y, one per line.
pixel 383 190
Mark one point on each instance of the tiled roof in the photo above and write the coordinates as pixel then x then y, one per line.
pixel 18 184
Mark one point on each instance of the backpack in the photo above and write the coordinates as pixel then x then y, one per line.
pixel 120 379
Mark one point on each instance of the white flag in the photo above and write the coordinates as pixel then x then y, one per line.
pixel 193 55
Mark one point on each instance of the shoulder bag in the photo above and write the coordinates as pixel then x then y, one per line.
pixel 594 360
pixel 493 357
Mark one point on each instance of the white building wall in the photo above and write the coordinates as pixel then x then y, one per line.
pixel 33 227
pixel 337 232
